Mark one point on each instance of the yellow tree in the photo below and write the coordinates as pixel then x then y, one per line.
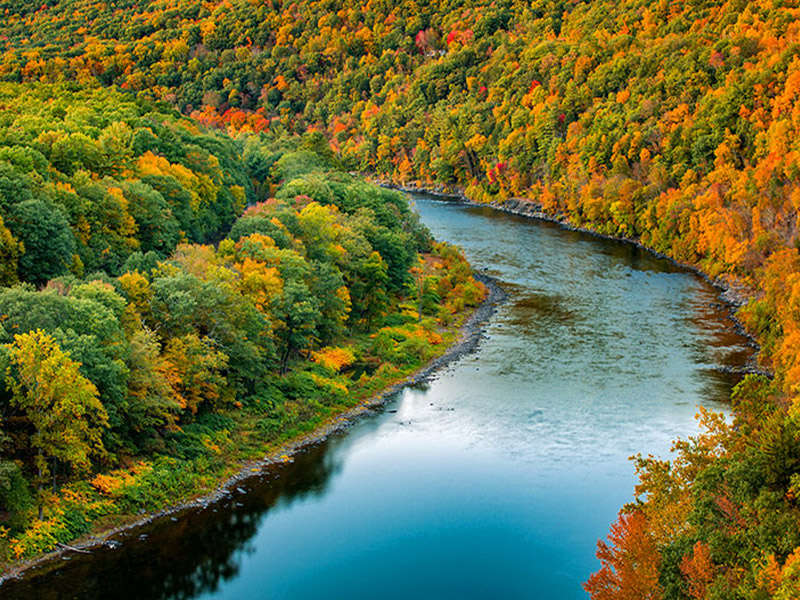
pixel 62 406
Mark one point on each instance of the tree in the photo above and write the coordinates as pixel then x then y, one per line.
pixel 149 404
pixel 368 289
pixel 195 373
pixel 698 569
pixel 49 245
pixel 299 313
pixel 157 228
pixel 419 279
pixel 10 249
pixel 61 405
pixel 630 563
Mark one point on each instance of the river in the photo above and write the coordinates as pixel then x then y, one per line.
pixel 496 479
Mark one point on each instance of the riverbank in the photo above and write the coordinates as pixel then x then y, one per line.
pixel 468 337
pixel 733 293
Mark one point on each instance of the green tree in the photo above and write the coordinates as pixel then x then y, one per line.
pixel 368 289
pixel 157 228
pixel 44 231
pixel 61 405
pixel 299 313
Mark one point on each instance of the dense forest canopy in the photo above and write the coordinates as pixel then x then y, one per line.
pixel 90 177
pixel 671 122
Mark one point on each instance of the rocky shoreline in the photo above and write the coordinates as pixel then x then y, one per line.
pixel 470 335
pixel 733 294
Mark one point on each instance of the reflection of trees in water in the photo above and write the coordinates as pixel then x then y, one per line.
pixel 716 384
pixel 192 556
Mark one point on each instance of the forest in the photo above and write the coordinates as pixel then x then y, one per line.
pixel 671 123
pixel 169 290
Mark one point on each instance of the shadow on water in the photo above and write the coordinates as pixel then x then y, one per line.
pixel 633 256
pixel 186 555
pixel 551 308
pixel 716 383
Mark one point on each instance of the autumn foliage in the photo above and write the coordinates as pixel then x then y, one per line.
pixel 630 562
pixel 673 123
pixel 133 351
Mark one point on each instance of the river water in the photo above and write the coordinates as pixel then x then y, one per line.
pixel 496 479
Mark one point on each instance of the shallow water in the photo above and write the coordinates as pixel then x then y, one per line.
pixel 496 480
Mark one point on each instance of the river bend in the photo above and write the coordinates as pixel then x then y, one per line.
pixel 496 479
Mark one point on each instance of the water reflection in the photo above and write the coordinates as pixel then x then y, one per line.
pixel 188 554
pixel 529 310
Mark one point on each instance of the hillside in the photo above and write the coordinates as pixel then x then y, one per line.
pixel 674 123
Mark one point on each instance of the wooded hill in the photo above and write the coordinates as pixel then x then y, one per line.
pixel 673 122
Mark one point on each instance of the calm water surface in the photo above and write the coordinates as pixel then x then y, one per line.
pixel 493 482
